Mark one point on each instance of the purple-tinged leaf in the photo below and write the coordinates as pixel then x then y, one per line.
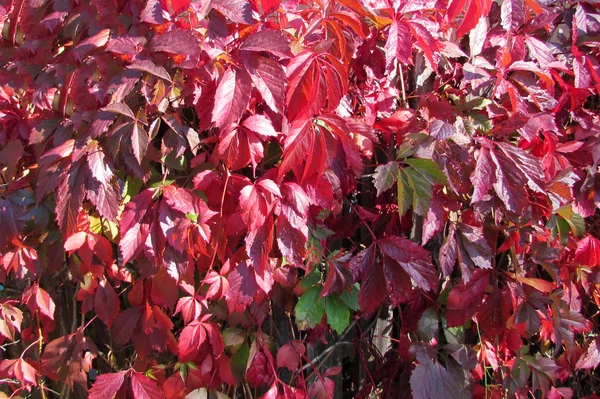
pixel 270 41
pixel 232 97
pixel 238 11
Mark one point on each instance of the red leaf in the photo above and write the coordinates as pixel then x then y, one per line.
pixel 269 79
pixel 125 324
pixel 19 369
pixel 399 44
pixel 232 97
pixel 588 251
pixel 176 41
pixel 143 387
pixel 512 14
pixel 475 10
pixel 432 380
pixel 10 321
pixel 195 335
pixel 190 308
pixel 415 260
pixel 290 355
pixel 107 385
pixel 106 302
pixel 69 197
pixel 133 227
pixel 591 358
pixel 236 10
pixel 322 388
pixel 268 40
pixel 69 359
pixel 93 42
pixel 256 202
pixel 38 299
pixel 464 298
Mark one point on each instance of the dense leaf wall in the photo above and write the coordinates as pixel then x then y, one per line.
pixel 211 198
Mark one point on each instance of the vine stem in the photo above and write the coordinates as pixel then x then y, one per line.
pixel 40 349
pixel 212 261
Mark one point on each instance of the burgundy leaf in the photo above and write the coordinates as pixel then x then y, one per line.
pixel 231 98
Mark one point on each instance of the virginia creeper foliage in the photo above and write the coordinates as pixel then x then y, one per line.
pixel 206 198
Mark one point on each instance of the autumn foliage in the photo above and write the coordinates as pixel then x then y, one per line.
pixel 208 198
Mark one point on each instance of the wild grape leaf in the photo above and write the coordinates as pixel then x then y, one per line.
pixel 393 274
pixel 322 388
pixel 385 176
pixel 10 321
pixel 190 308
pixel 238 11
pixel 310 308
pixel 151 68
pixel 512 14
pixel 429 44
pixel 107 385
pixel 143 387
pixel 37 299
pixel 464 298
pixel 246 285
pixel 218 285
pixel 290 355
pixel 339 277
pixel 292 228
pixel 591 357
pixel 175 7
pixel 152 13
pixel 176 41
pixel 185 132
pixel 259 243
pixel 432 380
pixel 315 82
pixel 98 164
pixel 399 44
pixel 588 251
pixel 338 314
pixel 125 323
pixel 20 370
pixel 482 177
pixel 195 335
pixel 69 196
pixel 134 227
pixel 269 79
pixel 256 202
pixel 232 97
pixel 242 145
pixel 271 41
pixel 9 219
pixel 106 302
pixel 413 259
pixel 91 43
pixel 69 358
pixel 139 141
pixel 475 10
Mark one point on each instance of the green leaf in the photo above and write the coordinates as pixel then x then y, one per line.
pixel 405 196
pixel 309 309
pixel 563 230
pixel 422 190
pixel 428 167
pixel 311 279
pixel 338 314
pixel 476 104
pixel 239 361
pixel 351 298
pixel 131 188
pixel 192 216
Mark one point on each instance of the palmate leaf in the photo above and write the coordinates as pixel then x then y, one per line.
pixel 389 269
